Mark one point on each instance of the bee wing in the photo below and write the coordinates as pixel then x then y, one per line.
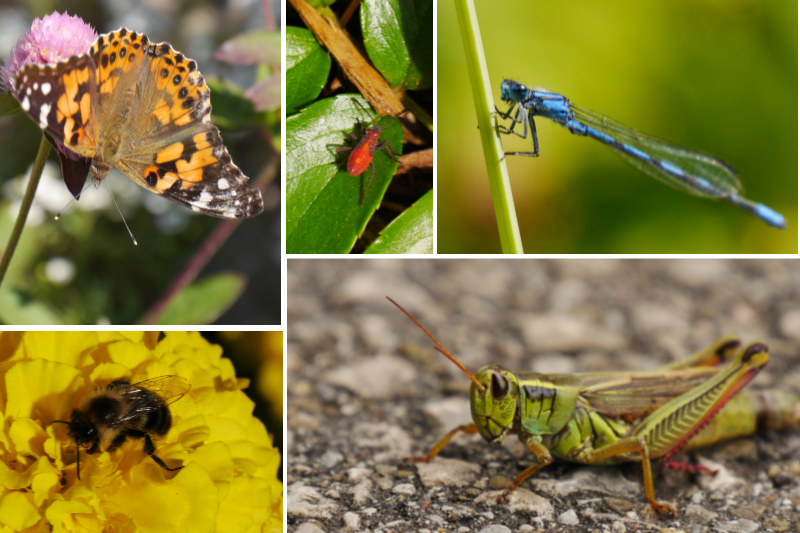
pixel 136 406
pixel 170 388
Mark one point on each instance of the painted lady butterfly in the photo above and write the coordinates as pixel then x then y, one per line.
pixel 144 108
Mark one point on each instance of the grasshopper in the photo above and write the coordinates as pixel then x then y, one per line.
pixel 608 418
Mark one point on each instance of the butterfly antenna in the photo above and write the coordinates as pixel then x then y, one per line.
pixel 121 215
pixel 58 215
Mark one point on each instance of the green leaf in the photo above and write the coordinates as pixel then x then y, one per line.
pixel 410 233
pixel 323 214
pixel 14 309
pixel 203 301
pixel 307 67
pixel 398 36
pixel 8 105
pixel 230 107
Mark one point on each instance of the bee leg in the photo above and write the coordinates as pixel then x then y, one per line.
pixel 150 449
pixel 118 441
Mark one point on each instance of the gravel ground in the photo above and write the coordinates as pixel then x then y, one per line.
pixel 365 389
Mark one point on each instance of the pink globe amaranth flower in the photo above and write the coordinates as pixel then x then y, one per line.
pixel 51 39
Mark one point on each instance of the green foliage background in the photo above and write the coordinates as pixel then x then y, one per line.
pixel 720 77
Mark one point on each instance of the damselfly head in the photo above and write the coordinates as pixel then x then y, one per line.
pixel 512 90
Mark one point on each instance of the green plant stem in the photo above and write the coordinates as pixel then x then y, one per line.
pixel 24 209
pixel 490 137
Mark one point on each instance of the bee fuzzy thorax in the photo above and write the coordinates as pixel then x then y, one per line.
pixel 103 409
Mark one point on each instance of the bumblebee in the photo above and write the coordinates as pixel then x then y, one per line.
pixel 123 410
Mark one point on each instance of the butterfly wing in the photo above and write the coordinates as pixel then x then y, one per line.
pixel 178 153
pixel 59 98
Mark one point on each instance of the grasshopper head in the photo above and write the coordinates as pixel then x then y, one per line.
pixel 494 408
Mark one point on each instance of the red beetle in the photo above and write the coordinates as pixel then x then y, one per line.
pixel 361 154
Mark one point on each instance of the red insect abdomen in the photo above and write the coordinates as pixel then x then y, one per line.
pixel 361 156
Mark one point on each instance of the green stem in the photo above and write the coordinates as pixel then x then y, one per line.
pixel 24 209
pixel 490 137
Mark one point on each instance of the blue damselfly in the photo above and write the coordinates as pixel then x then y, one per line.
pixel 687 170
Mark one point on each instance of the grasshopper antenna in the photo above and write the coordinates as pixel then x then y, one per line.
pixel 441 349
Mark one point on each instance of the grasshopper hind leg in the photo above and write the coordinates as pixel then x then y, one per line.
pixel 632 445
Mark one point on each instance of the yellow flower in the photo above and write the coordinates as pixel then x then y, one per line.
pixel 229 477
pixel 264 349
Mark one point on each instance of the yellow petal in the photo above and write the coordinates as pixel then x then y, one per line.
pixel 188 502
pixel 17 511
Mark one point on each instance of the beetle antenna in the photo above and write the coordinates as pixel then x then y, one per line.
pixel 441 349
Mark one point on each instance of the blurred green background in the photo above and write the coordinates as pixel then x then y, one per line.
pixel 716 76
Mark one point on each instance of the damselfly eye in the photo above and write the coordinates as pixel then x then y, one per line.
pixel 499 386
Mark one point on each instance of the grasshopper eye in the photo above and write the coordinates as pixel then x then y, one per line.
pixel 499 386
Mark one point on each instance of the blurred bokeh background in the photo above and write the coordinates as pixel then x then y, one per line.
pixel 83 269
pixel 719 77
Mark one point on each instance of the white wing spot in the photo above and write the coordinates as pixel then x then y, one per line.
pixel 25 104
pixel 205 197
pixel 45 88
pixel 36 86
pixel 28 91
pixel 223 184
pixel 43 112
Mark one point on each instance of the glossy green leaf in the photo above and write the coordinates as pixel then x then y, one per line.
pixel 409 233
pixel 398 36
pixel 307 68
pixel 204 301
pixel 323 214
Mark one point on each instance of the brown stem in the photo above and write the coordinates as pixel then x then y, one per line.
pixel 368 80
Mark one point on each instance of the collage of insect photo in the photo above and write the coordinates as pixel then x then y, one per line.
pixel 200 333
